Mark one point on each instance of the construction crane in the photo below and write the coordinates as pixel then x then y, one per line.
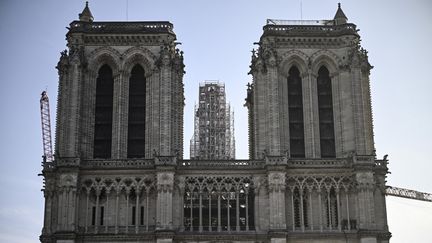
pixel 48 157
pixel 407 193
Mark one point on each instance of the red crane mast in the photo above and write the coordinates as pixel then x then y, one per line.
pixel 46 128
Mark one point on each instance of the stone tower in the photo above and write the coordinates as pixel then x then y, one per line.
pixel 213 136
pixel 310 112
pixel 120 106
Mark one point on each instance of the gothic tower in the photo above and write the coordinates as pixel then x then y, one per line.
pixel 120 105
pixel 311 95
pixel 310 112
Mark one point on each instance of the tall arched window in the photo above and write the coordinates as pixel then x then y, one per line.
pixel 103 113
pixel 295 109
pixel 325 112
pixel 136 118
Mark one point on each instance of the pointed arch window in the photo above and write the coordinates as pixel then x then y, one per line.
pixel 295 110
pixel 325 112
pixel 103 113
pixel 137 113
pixel 331 208
pixel 300 208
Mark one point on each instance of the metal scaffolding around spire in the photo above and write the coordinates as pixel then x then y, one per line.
pixel 213 136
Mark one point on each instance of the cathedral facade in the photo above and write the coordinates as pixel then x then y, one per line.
pixel 119 173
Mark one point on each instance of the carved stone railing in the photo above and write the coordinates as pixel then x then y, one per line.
pixel 122 27
pixel 309 30
pixel 319 163
pixel 65 162
pixel 111 229
pixel 276 160
pixel 165 160
pixel 216 164
pixel 117 163
pixel 299 22
pixel 363 159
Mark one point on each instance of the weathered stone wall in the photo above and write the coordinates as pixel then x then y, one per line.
pixel 349 73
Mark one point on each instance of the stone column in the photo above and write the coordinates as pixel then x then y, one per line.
pixel 165 101
pixel 64 69
pixel 309 115
pixel 365 196
pixel 48 207
pixel 127 209
pixel 147 209
pixel 346 118
pixel 72 109
pixel 67 203
pixel 88 113
pixel 152 136
pixel 200 224
pixel 165 167
pixel 116 228
pixel 120 118
pixel 237 209
pixel 337 114
pixel 358 109
pixel 182 202
pixel 219 227
pixel 165 184
pixel 247 209
pixel 273 128
pixel 276 182
pixel 137 209
pixel 347 208
pixel 73 205
pixel 96 228
pixel 259 108
pixel 338 203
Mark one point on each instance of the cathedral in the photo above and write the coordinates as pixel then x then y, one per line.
pixel 119 173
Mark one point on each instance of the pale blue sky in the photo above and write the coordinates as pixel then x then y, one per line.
pixel 217 38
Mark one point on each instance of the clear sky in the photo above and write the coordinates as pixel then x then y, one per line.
pixel 217 37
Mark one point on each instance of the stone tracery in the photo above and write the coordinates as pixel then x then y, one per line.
pixel 104 199
pixel 211 203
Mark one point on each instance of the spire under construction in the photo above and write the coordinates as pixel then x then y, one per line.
pixel 213 136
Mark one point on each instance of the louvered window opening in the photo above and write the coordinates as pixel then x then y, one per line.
pixel 103 113
pixel 137 113
pixel 325 110
pixel 295 110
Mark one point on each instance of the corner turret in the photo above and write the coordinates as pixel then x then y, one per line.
pixel 86 15
pixel 340 17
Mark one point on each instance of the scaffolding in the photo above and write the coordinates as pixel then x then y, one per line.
pixel 213 136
